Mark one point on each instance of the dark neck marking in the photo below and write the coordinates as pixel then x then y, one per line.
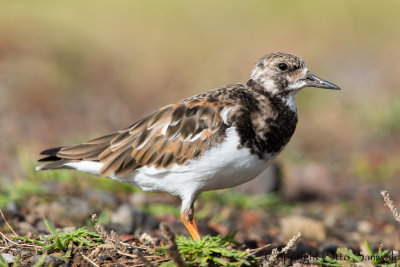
pixel 281 125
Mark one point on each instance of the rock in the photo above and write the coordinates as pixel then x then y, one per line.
pixel 101 199
pixel 143 198
pixel 309 182
pixel 364 227
pixel 332 216
pixel 13 209
pixel 8 258
pixel 389 229
pixel 37 212
pixel 309 228
pixel 304 250
pixel 355 237
pixel 27 253
pixel 267 182
pixel 69 212
pixel 329 250
pixel 127 219
pixel 250 244
pixel 50 260
pixel 41 227
pixel 25 228
pixel 104 257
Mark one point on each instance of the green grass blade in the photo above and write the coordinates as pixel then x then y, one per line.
pixel 368 248
pixel 69 250
pixel 16 260
pixel 51 228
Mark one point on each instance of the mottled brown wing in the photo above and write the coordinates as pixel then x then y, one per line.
pixel 172 135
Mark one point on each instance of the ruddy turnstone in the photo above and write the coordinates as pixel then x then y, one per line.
pixel 214 140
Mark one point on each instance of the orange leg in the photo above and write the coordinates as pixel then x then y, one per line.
pixel 188 220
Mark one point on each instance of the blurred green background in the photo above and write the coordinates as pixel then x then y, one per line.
pixel 70 71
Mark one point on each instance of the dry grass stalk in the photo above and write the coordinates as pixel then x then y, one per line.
pixel 366 254
pixel 7 240
pixel 112 242
pixel 142 258
pixel 256 250
pixel 89 260
pixel 100 229
pixel 172 247
pixel 389 203
pixel 9 226
pixel 275 253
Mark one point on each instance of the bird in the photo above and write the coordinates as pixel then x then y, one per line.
pixel 214 140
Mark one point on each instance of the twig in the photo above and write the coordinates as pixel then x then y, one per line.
pixel 275 253
pixel 156 262
pixel 128 240
pixel 256 250
pixel 389 203
pixel 137 255
pixel 142 258
pixel 5 240
pixel 89 260
pixel 12 242
pixel 172 247
pixel 127 255
pixel 4 218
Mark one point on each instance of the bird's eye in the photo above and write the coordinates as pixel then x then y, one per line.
pixel 282 66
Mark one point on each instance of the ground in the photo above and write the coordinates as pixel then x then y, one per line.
pixel 55 202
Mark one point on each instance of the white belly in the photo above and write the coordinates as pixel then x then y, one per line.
pixel 222 166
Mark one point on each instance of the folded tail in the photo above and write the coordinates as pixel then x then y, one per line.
pixel 54 162
pixel 83 157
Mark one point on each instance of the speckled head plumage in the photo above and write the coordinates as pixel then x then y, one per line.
pixel 284 73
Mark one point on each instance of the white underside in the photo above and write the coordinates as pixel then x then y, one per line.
pixel 222 166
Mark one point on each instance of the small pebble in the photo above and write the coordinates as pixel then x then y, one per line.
pixel 329 250
pixel 104 257
pixel 364 227
pixel 251 244
pixel 50 260
pixel 8 257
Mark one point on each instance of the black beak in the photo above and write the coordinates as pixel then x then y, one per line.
pixel 314 81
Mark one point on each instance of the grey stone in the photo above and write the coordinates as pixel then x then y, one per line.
pixel 364 227
pixel 101 199
pixel 128 219
pixel 8 257
pixel 309 228
pixel 267 182
pixel 14 211
pixel 69 212
pixel 309 182
pixel 50 260
pixel 104 257
pixel 25 228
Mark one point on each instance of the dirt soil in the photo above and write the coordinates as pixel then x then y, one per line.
pixel 132 231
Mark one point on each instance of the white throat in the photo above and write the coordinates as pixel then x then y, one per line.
pixel 289 101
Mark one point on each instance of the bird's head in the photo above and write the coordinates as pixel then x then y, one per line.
pixel 284 73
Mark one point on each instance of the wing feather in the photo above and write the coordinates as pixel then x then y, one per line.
pixel 170 136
